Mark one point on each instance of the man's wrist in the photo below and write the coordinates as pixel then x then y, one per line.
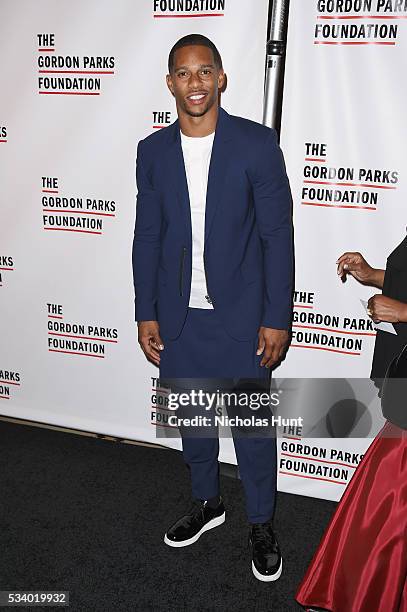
pixel 271 325
pixel 274 328
pixel 147 321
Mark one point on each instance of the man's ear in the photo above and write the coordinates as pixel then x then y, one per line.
pixel 221 79
pixel 169 83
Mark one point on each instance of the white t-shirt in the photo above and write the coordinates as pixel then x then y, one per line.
pixel 197 155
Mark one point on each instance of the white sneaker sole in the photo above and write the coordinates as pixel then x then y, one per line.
pixel 264 578
pixel 215 522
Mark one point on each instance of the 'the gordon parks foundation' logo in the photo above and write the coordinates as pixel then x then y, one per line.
pixel 303 459
pixel 325 331
pixel 85 339
pixel 6 265
pixel 86 215
pixel 358 22
pixel 343 186
pixel 9 381
pixel 70 74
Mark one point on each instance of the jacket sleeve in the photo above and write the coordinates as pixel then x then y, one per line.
pixel 146 243
pixel 273 208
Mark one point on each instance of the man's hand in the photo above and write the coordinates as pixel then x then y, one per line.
pixel 382 308
pixel 273 342
pixel 150 340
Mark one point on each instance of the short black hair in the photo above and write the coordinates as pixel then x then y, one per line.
pixel 194 39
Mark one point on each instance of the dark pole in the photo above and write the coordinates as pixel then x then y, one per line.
pixel 275 62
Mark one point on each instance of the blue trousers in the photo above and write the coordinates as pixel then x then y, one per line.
pixel 204 350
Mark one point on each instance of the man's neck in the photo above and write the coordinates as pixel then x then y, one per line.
pixel 199 126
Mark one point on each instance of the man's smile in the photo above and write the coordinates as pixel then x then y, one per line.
pixel 197 97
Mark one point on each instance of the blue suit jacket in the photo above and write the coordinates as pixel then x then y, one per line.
pixel 248 254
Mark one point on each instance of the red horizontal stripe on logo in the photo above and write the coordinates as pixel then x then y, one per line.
pixel 182 16
pixel 76 71
pixel 85 337
pixel 338 205
pixel 312 477
pixel 76 353
pixel 319 460
pixel 63 229
pixel 343 184
pixel 72 93
pixel 324 348
pixel 79 212
pixel 331 42
pixel 362 16
pixel 338 331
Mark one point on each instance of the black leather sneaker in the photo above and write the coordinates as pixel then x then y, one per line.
pixel 199 518
pixel 267 562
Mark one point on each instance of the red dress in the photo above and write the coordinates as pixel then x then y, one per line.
pixel 361 562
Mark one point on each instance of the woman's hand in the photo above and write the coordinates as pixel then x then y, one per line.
pixel 356 265
pixel 382 308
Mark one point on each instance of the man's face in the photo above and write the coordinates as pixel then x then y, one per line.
pixel 195 80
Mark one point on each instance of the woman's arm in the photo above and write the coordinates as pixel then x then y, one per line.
pixel 377 278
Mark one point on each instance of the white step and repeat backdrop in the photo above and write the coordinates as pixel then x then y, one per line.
pixel 82 82
pixel 344 131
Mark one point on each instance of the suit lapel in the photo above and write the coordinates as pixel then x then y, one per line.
pixel 175 161
pixel 220 158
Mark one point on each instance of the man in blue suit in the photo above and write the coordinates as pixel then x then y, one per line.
pixel 213 273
